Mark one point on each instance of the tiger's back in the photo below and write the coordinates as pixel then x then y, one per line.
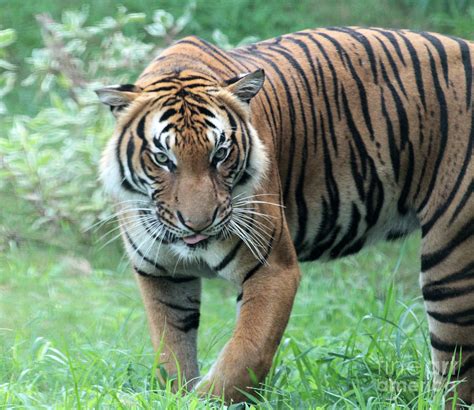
pixel 371 128
pixel 375 132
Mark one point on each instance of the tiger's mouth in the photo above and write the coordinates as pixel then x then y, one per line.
pixel 195 239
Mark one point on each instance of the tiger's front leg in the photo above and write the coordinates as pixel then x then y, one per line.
pixel 172 305
pixel 267 299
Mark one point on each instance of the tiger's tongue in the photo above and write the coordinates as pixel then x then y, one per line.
pixel 193 239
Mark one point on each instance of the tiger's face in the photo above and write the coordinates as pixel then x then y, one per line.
pixel 184 152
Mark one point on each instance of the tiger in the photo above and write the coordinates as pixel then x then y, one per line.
pixel 309 146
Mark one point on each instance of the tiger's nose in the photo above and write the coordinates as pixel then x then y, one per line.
pixel 197 224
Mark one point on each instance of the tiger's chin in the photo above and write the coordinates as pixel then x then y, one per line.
pixel 188 252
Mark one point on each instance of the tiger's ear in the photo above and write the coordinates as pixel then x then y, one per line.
pixel 246 86
pixel 118 97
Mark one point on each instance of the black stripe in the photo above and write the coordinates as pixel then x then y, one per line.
pixel 240 296
pixel 360 38
pixel 350 235
pixel 247 147
pixel 430 260
pixel 434 294
pixel 254 270
pixel 465 273
pixel 390 37
pixel 356 175
pixel 375 198
pixel 466 61
pixel 127 87
pixel 326 229
pixel 124 181
pixel 392 143
pixel 165 129
pixel 329 115
pixel 438 45
pixel 175 77
pixel 205 111
pixel 359 83
pixel 215 52
pixel 393 66
pixel 442 346
pixel 244 178
pixel 179 279
pixel 167 114
pixel 140 131
pixel 330 181
pixel 229 257
pixel 416 68
pixel 330 66
pixel 239 54
pixel 291 110
pixel 403 123
pixel 161 89
pixel 460 176
pixel 443 124
pixel 178 307
pixel 354 247
pixel 172 279
pixel 135 248
pixel 394 235
pixel 145 274
pixel 375 201
pixel 407 181
pixel 301 206
pixel 462 203
pixel 424 167
pixel 187 323
pixel 309 91
pixel 130 152
pixel 461 318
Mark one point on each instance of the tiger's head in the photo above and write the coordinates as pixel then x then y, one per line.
pixel 184 150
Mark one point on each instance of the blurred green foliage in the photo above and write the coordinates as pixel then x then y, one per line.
pixel 7 69
pixel 50 159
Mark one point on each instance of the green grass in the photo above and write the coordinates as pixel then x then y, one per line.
pixel 73 334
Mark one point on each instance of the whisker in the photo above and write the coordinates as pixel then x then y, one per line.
pixel 252 212
pixel 257 236
pixel 157 228
pixel 248 202
pixel 247 240
pixel 123 219
pixel 114 215
pixel 136 227
pixel 264 229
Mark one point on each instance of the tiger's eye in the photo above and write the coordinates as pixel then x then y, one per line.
pixel 161 158
pixel 220 154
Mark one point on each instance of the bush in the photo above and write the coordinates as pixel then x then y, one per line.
pixel 7 70
pixel 50 160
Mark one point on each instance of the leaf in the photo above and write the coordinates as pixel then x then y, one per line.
pixel 6 65
pixel 7 37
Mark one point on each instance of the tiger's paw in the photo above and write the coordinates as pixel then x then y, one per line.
pixel 217 386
